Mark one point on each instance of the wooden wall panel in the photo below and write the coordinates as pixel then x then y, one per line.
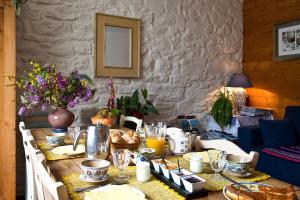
pixel 276 84
pixel 8 102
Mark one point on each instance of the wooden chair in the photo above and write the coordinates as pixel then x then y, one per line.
pixel 30 189
pixel 137 121
pixel 230 148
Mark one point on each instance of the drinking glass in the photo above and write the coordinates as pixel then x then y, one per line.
pixel 121 160
pixel 155 133
pixel 72 130
pixel 217 161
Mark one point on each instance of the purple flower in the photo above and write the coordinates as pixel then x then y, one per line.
pixel 40 80
pixel 72 104
pixel 22 111
pixel 62 84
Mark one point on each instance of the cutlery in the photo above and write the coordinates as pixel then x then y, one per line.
pixel 163 159
pixel 85 189
pixel 178 164
pixel 235 182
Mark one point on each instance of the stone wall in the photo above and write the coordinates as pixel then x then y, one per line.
pixel 188 47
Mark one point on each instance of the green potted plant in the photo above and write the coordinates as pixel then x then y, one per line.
pixel 221 109
pixel 132 106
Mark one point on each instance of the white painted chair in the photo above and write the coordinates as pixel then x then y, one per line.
pixel 52 189
pixel 33 153
pixel 47 188
pixel 230 148
pixel 137 121
pixel 30 189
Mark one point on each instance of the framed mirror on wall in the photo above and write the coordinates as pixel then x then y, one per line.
pixel 117 46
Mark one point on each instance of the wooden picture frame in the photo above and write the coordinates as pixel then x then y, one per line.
pixel 286 40
pixel 117 46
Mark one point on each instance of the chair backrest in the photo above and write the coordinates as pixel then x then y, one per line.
pixel 33 156
pixel 30 188
pixel 137 121
pixel 46 187
pixel 52 189
pixel 230 148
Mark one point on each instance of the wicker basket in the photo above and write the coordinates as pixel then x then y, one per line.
pixel 131 147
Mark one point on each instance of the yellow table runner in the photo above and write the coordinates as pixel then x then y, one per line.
pixel 153 189
pixel 211 184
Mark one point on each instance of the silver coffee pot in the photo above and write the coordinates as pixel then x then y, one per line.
pixel 96 141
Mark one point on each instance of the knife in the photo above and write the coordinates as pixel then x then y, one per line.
pixel 235 182
pixel 86 188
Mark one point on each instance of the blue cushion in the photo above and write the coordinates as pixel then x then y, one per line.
pixel 293 113
pixel 279 168
pixel 278 133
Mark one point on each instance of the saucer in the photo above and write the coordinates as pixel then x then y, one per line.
pixel 89 180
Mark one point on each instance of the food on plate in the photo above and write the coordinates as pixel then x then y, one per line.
pixel 124 137
pixel 117 192
pixel 263 193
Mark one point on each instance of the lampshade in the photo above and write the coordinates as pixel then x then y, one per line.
pixel 239 80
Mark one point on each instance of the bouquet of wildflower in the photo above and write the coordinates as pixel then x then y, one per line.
pixel 44 86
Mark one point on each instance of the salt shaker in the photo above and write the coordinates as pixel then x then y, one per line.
pixel 143 171
pixel 196 164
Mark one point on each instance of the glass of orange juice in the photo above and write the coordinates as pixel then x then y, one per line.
pixel 155 133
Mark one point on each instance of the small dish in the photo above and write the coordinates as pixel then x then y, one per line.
pixel 177 177
pixel 193 183
pixel 157 162
pixel 94 169
pixel 166 171
pixel 55 139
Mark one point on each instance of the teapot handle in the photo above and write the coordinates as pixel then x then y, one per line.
pixel 76 140
pixel 172 144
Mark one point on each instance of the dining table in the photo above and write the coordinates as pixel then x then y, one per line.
pixel 65 167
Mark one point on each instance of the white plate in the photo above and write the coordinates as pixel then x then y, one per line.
pixel 84 178
pixel 68 150
pixel 251 185
pixel 112 188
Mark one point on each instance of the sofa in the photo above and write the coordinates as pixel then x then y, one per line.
pixel 278 144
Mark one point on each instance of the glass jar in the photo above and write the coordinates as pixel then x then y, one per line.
pixel 143 171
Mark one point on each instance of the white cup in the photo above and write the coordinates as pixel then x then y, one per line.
pixel 196 164
pixel 142 171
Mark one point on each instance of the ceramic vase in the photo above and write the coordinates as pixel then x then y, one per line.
pixel 61 118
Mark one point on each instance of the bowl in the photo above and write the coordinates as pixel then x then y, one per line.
pixel 55 139
pixel 157 162
pixel 177 177
pixel 94 169
pixel 166 171
pixel 142 154
pixel 193 183
pixel 236 164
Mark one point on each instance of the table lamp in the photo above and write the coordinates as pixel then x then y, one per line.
pixel 239 96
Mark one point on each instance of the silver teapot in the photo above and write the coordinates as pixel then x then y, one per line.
pixel 96 141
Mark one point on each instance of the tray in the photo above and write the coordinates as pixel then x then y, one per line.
pixel 180 189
